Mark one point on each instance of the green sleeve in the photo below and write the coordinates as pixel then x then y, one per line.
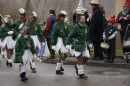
pixel 71 35
pixel 54 34
pixel 3 33
pixel 40 34
pixel 33 49
pixel 17 45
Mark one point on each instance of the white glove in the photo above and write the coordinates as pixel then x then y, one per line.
pixel 90 45
pixel 53 47
pixel 43 43
pixel 68 46
pixel 21 25
pixel 35 57
pixel 5 20
pixel 10 32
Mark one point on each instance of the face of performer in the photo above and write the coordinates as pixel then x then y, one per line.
pixel 32 19
pixel 24 31
pixel 82 19
pixel 62 18
pixel 21 16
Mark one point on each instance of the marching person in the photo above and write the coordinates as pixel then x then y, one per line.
pixel 59 33
pixel 109 35
pixel 47 32
pixel 123 19
pixel 80 33
pixel 6 39
pixel 24 51
pixel 19 23
pixel 36 35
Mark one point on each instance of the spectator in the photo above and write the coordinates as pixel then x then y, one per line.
pixel 96 29
pixel 123 19
pixel 47 32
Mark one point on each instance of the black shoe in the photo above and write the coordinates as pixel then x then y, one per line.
pixel 31 66
pixel 23 77
pixel 82 76
pixel 33 70
pixel 107 61
pixel 99 58
pixel 111 61
pixel 93 58
pixel 7 63
pixel 3 56
pixel 61 69
pixel 10 64
pixel 76 69
pixel 58 72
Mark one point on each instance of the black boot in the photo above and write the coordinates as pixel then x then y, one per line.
pixel 76 69
pixel 82 76
pixel 33 70
pixel 23 77
pixel 3 56
pixel 61 69
pixel 59 72
pixel 10 64
pixel 7 63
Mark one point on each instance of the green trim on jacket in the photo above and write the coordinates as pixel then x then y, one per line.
pixel 36 31
pixel 59 30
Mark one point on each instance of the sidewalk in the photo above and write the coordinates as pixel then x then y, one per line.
pixel 118 63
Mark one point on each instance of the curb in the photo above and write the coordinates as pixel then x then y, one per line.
pixel 90 63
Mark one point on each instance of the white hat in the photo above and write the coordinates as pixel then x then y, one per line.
pixel 94 2
pixel 80 6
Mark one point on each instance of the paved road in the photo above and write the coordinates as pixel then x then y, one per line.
pixel 46 76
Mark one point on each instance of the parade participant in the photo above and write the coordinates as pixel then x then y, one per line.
pixel 59 33
pixel 96 30
pixel 6 39
pixel 47 32
pixel 24 51
pixel 19 23
pixel 36 34
pixel 123 19
pixel 80 33
pixel 41 52
pixel 109 35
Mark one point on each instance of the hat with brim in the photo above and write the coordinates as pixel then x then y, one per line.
pixel 63 13
pixel 21 11
pixel 34 14
pixel 8 16
pixel 94 2
pixel 80 13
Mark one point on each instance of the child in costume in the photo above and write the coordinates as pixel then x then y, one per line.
pixel 80 34
pixel 6 39
pixel 109 35
pixel 36 34
pixel 24 51
pixel 59 33
pixel 41 52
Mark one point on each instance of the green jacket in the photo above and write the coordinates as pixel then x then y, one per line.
pixel 24 44
pixel 59 30
pixel 4 32
pixel 15 26
pixel 36 31
pixel 108 32
pixel 80 34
